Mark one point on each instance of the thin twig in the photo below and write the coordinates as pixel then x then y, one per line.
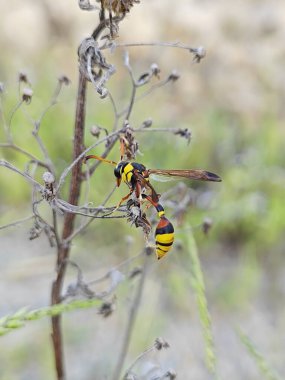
pixel 140 356
pixel 13 112
pixel 143 95
pixel 17 222
pixel 88 222
pixel 26 153
pixel 178 45
pixel 23 174
pixel 131 320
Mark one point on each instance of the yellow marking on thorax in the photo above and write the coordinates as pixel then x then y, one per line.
pixel 161 213
pixel 127 173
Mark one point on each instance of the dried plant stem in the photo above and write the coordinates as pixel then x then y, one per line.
pixel 177 44
pixel 26 153
pixel 131 320
pixel 68 226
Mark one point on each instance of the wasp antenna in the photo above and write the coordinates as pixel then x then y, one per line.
pixel 213 177
pixel 86 158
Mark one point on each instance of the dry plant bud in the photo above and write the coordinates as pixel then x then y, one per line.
pixel 48 178
pixel 160 343
pixel 129 145
pixel 207 225
pixel 155 70
pixel 174 76
pixel 95 131
pixel 137 217
pixel 170 374
pixel 27 94
pixel 103 92
pixel 146 77
pixel 199 53
pixel 49 181
pixel 143 79
pixel 119 7
pixel 106 309
pixel 23 78
pixel 184 133
pixel 147 123
pixel 64 80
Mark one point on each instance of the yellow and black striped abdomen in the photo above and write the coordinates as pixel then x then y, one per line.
pixel 164 237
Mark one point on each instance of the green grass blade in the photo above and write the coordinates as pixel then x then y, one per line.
pixel 199 288
pixel 17 320
pixel 264 368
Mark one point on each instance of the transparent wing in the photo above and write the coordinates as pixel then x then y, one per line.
pixel 196 174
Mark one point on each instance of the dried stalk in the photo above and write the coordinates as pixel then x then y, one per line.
pixel 68 226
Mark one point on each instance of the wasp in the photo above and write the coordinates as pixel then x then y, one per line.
pixel 136 176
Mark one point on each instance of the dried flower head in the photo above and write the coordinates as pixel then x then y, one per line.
pixel 49 181
pixel 161 343
pixel 64 80
pixel 128 144
pixel 199 53
pixel 106 309
pixel 146 123
pixel 23 78
pixel 207 225
pixel 136 216
pixel 27 94
pixel 119 7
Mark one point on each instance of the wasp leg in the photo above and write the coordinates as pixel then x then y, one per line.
pixel 122 200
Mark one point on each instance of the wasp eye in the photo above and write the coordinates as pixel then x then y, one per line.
pixel 117 172
pixel 119 168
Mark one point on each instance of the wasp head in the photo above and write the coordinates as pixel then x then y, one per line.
pixel 118 171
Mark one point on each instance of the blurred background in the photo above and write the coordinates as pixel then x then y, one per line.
pixel 233 103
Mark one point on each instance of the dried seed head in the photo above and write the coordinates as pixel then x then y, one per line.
pixel 128 144
pixel 48 178
pixel 147 123
pixel 174 76
pixel 27 94
pixel 207 225
pixel 137 217
pixel 23 78
pixel 64 80
pixel 106 309
pixel 155 69
pixel 160 343
pixel 184 133
pixel 119 7
pixel 199 53
pixel 49 181
pixel 170 374
pixel 95 131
